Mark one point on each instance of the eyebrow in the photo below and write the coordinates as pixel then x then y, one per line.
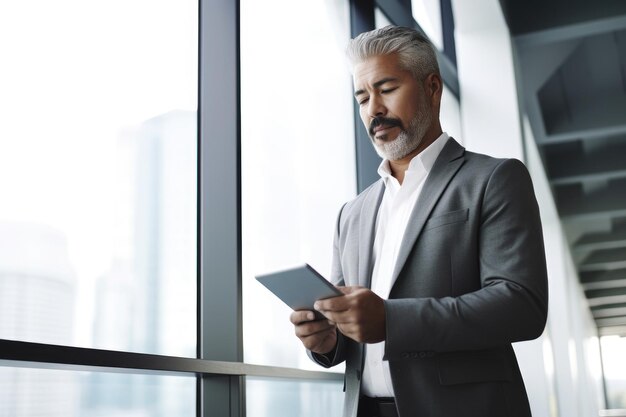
pixel 376 85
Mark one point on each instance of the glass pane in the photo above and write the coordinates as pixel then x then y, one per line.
pixel 380 19
pixel 288 398
pixel 450 115
pixel 614 365
pixel 298 163
pixel 427 13
pixel 52 393
pixel 98 174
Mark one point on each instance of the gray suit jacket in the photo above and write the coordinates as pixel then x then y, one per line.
pixel 471 279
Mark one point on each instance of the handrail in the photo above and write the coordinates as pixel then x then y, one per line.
pixel 45 356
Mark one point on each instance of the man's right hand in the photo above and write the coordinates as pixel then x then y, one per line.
pixel 319 336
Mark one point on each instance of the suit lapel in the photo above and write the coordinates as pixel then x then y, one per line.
pixel 447 164
pixel 367 225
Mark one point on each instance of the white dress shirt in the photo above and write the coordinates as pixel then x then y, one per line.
pixel 393 215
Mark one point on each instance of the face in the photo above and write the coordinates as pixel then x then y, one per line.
pixel 394 106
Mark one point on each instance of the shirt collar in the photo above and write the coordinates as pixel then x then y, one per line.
pixel 426 158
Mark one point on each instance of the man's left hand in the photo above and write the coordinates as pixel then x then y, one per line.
pixel 359 314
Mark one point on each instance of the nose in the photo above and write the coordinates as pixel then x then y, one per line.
pixel 375 106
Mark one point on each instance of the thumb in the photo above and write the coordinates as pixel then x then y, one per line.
pixel 350 290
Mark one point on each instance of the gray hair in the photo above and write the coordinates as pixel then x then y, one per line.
pixel 415 51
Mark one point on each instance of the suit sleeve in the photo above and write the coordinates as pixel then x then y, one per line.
pixel 337 355
pixel 511 304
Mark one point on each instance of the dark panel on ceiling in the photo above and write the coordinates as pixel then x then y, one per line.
pixel 533 15
pixel 587 90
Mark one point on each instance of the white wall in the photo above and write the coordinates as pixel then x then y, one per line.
pixel 561 368
pixel 573 335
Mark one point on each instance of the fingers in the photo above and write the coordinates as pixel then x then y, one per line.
pixel 318 336
pixel 337 308
pixel 359 314
pixel 301 316
pixel 351 289
pixel 306 326
pixel 340 303
pixel 322 343
pixel 312 328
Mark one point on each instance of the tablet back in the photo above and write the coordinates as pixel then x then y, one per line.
pixel 299 287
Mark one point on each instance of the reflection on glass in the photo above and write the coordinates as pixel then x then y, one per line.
pixel 287 398
pixel 51 393
pixel 450 115
pixel 98 174
pixel 613 348
pixel 298 164
pixel 427 13
pixel 380 19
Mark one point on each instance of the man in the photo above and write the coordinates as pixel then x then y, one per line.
pixel 441 261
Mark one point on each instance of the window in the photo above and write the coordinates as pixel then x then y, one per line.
pixel 450 114
pixel 53 393
pixel 427 13
pixel 613 348
pixel 298 165
pixel 98 217
pixel 380 19
pixel 98 175
pixel 287 398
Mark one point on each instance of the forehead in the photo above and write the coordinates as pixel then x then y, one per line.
pixel 378 67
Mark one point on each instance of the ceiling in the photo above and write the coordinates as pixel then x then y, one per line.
pixel 571 63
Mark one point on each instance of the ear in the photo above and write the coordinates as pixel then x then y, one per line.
pixel 433 86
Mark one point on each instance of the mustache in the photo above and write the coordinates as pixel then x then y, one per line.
pixel 384 121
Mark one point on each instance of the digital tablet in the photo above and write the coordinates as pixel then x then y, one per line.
pixel 299 287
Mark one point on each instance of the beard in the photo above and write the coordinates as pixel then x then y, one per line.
pixel 408 140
